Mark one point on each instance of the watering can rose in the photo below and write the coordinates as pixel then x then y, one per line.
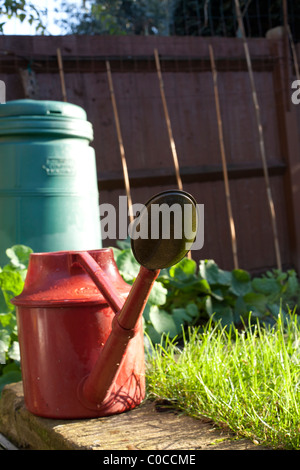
pixel 165 221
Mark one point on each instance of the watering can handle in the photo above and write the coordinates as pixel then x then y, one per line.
pixel 96 387
pixel 102 281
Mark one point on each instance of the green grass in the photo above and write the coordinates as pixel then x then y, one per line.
pixel 246 380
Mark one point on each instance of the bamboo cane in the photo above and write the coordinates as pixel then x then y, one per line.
pixel 168 121
pixel 223 156
pixel 294 53
pixel 169 127
pixel 289 37
pixel 120 140
pixel 286 53
pixel 261 137
pixel 61 74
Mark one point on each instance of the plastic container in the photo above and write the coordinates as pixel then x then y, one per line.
pixel 49 197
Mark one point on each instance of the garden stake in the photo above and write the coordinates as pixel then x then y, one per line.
pixel 61 74
pixel 294 54
pixel 168 121
pixel 169 127
pixel 286 52
pixel 288 36
pixel 223 156
pixel 120 140
pixel 261 138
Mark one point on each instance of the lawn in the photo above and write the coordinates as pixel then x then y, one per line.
pixel 246 380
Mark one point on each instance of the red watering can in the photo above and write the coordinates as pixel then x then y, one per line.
pixel 80 325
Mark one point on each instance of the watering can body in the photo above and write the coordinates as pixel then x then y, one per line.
pixel 64 321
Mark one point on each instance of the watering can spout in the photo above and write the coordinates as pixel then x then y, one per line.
pixel 95 389
pixel 153 255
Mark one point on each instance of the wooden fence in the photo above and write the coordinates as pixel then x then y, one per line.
pixel 188 87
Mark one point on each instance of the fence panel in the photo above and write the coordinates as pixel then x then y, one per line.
pixel 188 86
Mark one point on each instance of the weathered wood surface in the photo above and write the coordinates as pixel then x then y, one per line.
pixel 144 428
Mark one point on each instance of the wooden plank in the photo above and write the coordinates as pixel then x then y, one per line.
pixel 144 177
pixel 5 444
pixel 150 426
pixel 135 64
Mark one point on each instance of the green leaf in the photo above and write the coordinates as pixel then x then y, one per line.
pixel 4 341
pixel 14 351
pixel 11 281
pixel 184 271
pixel 223 313
pixel 116 253
pixel 256 302
pixel 153 334
pixel 241 275
pixel 5 319
pixel 192 310
pixel 241 282
pixel 124 244
pixel 266 286
pixel 240 308
pixel 158 294
pixel 19 256
pixel 217 294
pixel 292 283
pixel 11 284
pixel 180 316
pixel 163 322
pixel 128 266
pixel 208 305
pixel 224 277
pixel 5 306
pixel 275 309
pixel 209 270
pixel 146 312
pixel 10 377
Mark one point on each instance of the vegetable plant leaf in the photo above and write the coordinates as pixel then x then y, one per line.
pixel 10 377
pixel 158 294
pixel 256 302
pixel 192 310
pixel 266 285
pixel 222 313
pixel 292 283
pixel 184 270
pixel 209 270
pixel 128 266
pixel 11 284
pixel 19 256
pixel 163 322
pixel 241 282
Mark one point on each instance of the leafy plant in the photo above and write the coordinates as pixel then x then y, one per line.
pixel 187 294
pixel 12 277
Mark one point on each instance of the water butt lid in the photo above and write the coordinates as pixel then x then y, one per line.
pixel 48 108
pixel 40 116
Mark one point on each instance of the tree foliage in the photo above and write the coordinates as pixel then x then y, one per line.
pixel 218 18
pixel 23 10
pixel 177 17
pixel 141 17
